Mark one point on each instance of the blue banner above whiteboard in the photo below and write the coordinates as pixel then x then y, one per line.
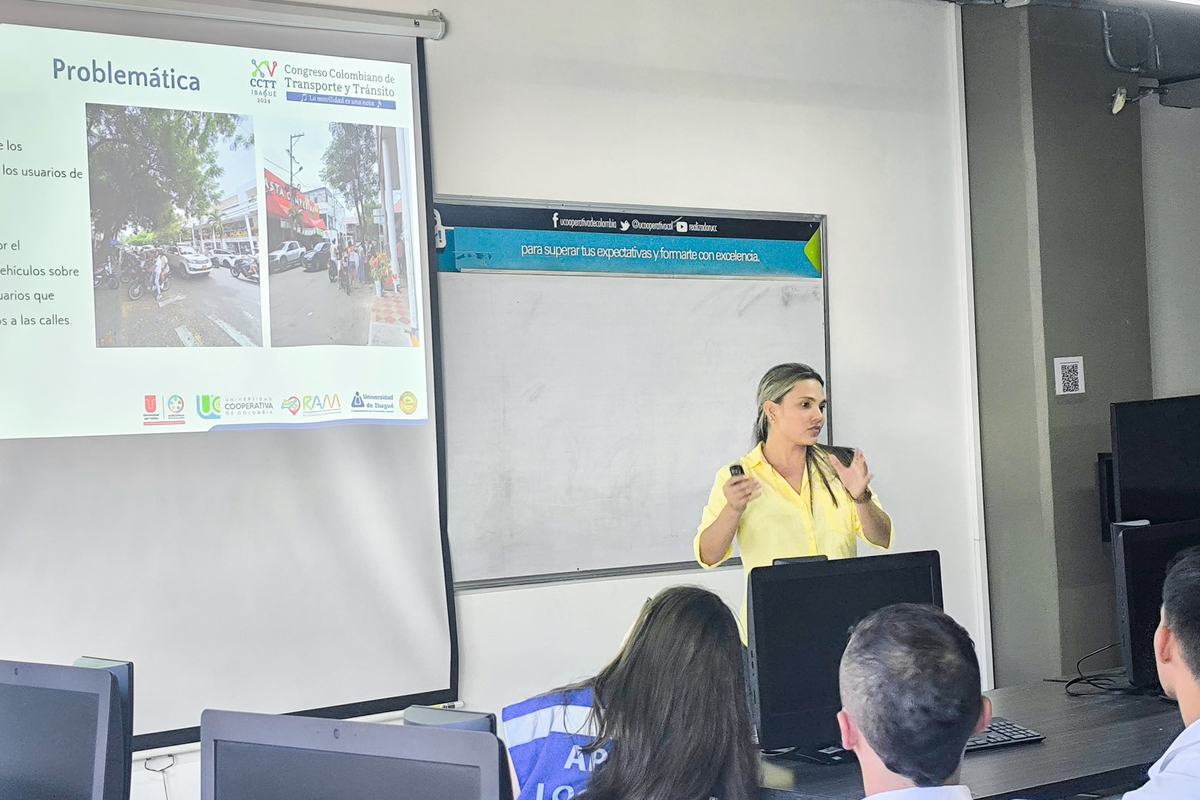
pixel 474 236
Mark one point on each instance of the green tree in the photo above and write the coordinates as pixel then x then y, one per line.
pixel 366 229
pixel 147 165
pixel 167 233
pixel 351 166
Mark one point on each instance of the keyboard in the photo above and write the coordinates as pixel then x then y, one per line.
pixel 1000 733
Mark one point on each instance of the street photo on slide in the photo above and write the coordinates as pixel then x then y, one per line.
pixel 337 213
pixel 174 215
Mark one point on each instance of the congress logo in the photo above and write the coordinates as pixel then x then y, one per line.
pixel 263 84
pixel 264 68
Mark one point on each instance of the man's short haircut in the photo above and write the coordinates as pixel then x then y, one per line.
pixel 1181 604
pixel 910 680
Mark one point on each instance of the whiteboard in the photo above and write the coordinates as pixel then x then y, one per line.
pixel 586 415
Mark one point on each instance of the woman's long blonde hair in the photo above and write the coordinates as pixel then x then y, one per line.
pixel 775 384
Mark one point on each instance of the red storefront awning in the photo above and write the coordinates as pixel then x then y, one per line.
pixel 282 198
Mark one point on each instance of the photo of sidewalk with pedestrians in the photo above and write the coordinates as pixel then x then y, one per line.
pixel 337 249
pixel 174 215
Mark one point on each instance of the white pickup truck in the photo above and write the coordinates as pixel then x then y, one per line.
pixel 288 255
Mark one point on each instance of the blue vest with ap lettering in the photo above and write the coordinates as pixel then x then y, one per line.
pixel 546 737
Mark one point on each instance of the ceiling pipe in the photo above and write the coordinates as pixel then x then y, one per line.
pixel 1153 54
pixel 1150 68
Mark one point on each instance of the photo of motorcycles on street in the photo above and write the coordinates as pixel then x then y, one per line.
pixel 174 213
pixel 338 255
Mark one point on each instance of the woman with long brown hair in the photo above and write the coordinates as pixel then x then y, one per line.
pixel 665 720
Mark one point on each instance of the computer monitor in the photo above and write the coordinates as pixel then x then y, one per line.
pixel 1106 495
pixel 453 718
pixel 122 671
pixel 462 720
pixel 1140 559
pixel 60 733
pixel 1156 459
pixel 799 618
pixel 266 757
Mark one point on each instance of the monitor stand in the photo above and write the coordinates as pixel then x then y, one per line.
pixel 830 756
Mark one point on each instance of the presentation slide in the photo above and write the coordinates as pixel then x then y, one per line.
pixel 197 237
pixel 217 223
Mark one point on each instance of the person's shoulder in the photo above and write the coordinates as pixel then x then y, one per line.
pixel 1170 784
pixel 577 696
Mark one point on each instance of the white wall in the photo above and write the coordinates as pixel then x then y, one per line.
pixel 1171 189
pixel 515 643
pixel 851 109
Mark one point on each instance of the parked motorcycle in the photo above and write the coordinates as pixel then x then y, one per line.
pixel 246 267
pixel 128 266
pixel 144 283
pixel 104 276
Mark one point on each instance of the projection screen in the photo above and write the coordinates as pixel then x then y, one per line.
pixel 219 459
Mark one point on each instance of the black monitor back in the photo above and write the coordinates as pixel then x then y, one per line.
pixel 1156 459
pixel 1106 493
pixel 799 618
pixel 1140 559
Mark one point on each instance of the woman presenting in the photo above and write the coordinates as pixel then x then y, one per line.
pixel 795 498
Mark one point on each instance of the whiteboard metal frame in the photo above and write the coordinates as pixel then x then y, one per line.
pixel 822 221
pixel 543 578
pixel 291 15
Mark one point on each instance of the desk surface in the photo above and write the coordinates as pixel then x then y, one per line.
pixel 1092 743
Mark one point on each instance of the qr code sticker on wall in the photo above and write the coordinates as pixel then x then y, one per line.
pixel 1070 378
pixel 1068 375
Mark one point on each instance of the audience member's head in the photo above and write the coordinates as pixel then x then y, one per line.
pixel 911 697
pixel 673 705
pixel 1177 640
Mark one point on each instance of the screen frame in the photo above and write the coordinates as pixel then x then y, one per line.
pixel 781 730
pixel 474 748
pixel 256 22
pixel 98 683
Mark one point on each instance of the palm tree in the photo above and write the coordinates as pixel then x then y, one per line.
pixel 214 219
